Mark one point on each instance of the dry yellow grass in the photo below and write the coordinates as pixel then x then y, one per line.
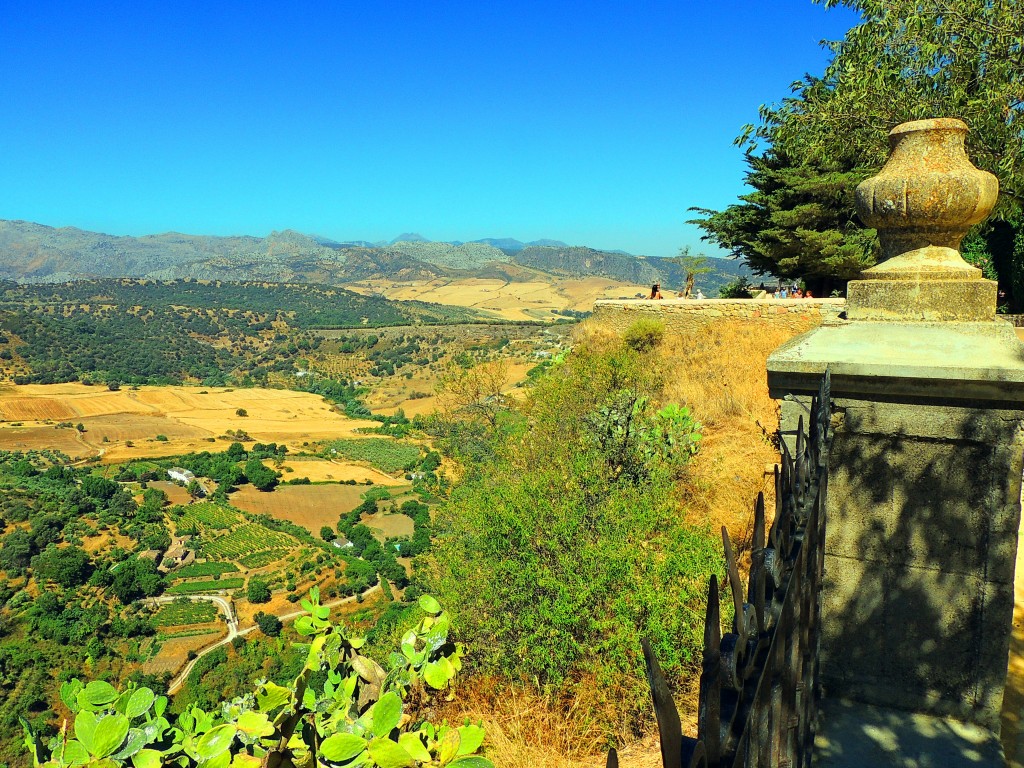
pixel 529 300
pixel 325 470
pixel 721 375
pixel 311 506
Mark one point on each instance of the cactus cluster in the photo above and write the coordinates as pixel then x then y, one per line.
pixel 342 711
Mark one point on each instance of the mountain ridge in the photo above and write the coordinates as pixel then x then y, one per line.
pixel 31 252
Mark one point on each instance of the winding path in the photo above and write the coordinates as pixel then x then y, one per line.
pixel 233 631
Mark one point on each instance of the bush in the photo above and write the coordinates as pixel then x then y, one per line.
pixel 644 335
pixel 258 591
pixel 569 546
pixel 269 624
pixel 737 289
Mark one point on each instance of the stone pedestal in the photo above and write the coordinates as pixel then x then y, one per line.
pixel 925 466
pixel 923 509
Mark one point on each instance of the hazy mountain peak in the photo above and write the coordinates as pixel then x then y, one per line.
pixel 409 237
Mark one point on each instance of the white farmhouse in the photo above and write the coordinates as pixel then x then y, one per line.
pixel 180 475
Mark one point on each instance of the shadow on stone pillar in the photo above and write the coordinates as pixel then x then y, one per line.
pixel 924 494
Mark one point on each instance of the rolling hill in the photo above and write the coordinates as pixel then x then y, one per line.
pixel 35 253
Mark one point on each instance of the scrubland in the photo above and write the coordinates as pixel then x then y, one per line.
pixel 719 375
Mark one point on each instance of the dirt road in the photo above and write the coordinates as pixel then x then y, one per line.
pixel 234 631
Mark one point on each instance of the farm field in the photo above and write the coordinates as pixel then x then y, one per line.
pixel 311 506
pixel 389 525
pixel 176 494
pixel 177 614
pixel 534 300
pixel 326 470
pixel 26 438
pixel 191 418
pixel 196 587
pixel 174 651
pixel 387 454
pixel 210 568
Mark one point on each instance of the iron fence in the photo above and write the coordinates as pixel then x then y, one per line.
pixel 759 683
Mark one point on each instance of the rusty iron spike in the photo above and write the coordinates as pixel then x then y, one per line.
pixel 773 532
pixel 739 626
pixel 755 593
pixel 709 708
pixel 670 731
pixel 712 620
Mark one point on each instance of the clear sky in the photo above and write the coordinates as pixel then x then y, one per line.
pixel 597 123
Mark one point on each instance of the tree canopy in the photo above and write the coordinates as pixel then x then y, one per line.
pixel 904 61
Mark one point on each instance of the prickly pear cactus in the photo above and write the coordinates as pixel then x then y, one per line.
pixel 356 718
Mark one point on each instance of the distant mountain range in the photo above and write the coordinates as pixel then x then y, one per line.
pixel 35 253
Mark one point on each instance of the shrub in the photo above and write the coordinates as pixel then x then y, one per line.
pixel 568 546
pixel 644 335
pixel 370 723
pixel 269 624
pixel 737 289
pixel 258 591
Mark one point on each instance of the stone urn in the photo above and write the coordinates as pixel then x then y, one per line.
pixel 924 200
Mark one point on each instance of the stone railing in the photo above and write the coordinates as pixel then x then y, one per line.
pixel 687 315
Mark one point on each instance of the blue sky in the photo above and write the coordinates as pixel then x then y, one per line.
pixel 596 123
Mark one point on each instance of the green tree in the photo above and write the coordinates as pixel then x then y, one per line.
pixel 327 533
pixel 16 550
pixel 799 222
pixel 136 578
pixel 906 60
pixel 262 477
pixel 257 591
pixel 68 566
pixel 269 624
pixel 692 266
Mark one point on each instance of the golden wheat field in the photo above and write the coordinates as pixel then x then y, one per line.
pixel 125 424
pixel 330 471
pixel 532 300
pixel 311 506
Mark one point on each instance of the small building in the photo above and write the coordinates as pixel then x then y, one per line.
pixel 180 475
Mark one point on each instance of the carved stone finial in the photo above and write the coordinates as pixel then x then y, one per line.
pixel 923 202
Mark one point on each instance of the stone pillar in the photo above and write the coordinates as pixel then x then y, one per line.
pixel 925 469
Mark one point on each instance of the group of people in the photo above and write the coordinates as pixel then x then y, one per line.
pixel 792 292
pixel 795 292
pixel 656 293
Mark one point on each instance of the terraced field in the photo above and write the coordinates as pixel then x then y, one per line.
pixel 177 614
pixel 261 559
pixel 199 587
pixel 205 569
pixel 209 515
pixel 245 540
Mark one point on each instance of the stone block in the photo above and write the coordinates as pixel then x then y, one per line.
pixel 921 300
pixel 993 649
pixel 907 637
pixel 860 519
pixel 933 627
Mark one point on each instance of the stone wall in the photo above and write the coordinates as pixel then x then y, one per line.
pixel 688 315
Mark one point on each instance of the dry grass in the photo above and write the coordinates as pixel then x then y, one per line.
pixel 521 300
pixel 311 506
pixel 721 376
pixel 188 416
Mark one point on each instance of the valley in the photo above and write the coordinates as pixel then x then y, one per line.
pixel 185 459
